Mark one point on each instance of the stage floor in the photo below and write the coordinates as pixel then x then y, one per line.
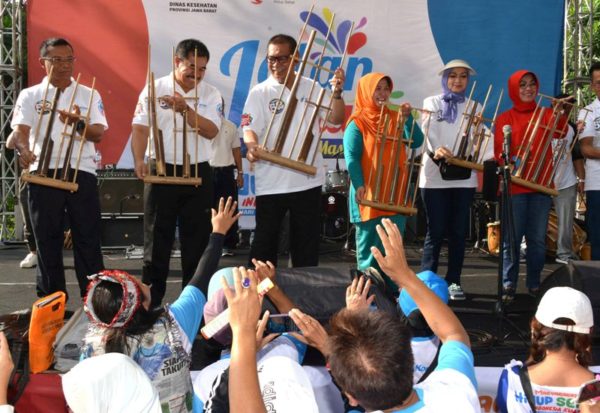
pixel 479 280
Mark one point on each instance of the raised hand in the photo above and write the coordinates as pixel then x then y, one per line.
pixel 394 262
pixel 224 218
pixel 357 295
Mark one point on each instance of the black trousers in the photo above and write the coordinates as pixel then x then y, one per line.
pixel 304 207
pixel 48 208
pixel 165 208
pixel 28 227
pixel 225 185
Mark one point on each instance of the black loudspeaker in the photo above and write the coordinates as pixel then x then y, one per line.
pixel 121 192
pixel 122 231
pixel 581 275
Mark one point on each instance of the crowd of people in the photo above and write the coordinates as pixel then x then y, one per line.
pixel 415 356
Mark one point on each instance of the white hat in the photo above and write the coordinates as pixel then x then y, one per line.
pixel 566 302
pixel 285 386
pixel 458 63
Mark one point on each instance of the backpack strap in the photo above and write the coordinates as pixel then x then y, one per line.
pixel 526 384
pixel 433 364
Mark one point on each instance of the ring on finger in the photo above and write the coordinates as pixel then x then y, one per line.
pixel 246 283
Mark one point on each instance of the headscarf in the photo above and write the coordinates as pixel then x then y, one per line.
pixel 513 91
pixel 366 116
pixel 366 112
pixel 132 297
pixel 450 100
pixel 110 383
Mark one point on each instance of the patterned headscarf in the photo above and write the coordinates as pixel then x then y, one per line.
pixel 132 297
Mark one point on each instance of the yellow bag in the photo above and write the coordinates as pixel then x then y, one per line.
pixel 47 317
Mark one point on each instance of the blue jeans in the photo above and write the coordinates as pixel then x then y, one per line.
pixel 530 219
pixel 447 215
pixel 592 221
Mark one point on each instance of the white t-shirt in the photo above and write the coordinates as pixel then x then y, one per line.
pixel 424 350
pixel 223 143
pixel 271 178
pixel 27 112
pixel 441 133
pixel 451 386
pixel 592 129
pixel 564 177
pixel 511 396
pixel 208 106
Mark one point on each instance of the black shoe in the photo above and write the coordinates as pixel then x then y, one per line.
pixel 534 292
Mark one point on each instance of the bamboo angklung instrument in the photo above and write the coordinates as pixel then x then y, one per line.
pixel 55 181
pixel 388 187
pixel 162 176
pixel 530 168
pixel 274 154
pixel 476 135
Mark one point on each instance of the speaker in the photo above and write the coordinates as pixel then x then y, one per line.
pixel 581 275
pixel 122 231
pixel 121 192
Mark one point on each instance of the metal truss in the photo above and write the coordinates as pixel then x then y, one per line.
pixel 578 52
pixel 11 83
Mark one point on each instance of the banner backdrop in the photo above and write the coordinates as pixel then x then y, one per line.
pixel 408 39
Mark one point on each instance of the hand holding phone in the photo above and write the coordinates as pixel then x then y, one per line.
pixel 588 391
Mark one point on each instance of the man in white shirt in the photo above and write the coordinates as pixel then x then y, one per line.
pixel 590 149
pixel 228 174
pixel 48 205
pixel 185 206
pixel 280 189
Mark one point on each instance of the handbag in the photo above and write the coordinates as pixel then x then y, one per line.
pixel 450 172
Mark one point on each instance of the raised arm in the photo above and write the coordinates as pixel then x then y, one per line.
pixel 439 316
pixel 221 220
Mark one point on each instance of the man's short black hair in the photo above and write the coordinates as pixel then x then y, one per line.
pixel 371 357
pixel 53 42
pixel 594 67
pixel 190 46
pixel 283 39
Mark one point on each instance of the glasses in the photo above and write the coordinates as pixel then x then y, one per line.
pixel 58 60
pixel 278 59
pixel 531 85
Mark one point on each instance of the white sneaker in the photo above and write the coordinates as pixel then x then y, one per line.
pixel 29 261
pixel 455 292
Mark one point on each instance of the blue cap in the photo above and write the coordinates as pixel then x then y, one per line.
pixel 433 281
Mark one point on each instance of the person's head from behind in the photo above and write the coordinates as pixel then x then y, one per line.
pixel 191 60
pixel 120 303
pixel 563 320
pixel 280 51
pixel 371 358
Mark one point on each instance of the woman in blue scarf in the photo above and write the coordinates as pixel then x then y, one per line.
pixel 447 202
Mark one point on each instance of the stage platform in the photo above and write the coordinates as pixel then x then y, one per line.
pixel 477 312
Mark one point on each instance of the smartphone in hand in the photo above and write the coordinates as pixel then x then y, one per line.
pixel 281 323
pixel 589 390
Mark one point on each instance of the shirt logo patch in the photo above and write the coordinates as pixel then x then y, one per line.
pixel 276 106
pixel 101 107
pixel 246 120
pixel 44 105
pixel 597 123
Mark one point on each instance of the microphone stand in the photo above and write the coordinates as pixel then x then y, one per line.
pixel 506 222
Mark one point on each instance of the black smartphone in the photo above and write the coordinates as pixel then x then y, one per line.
pixel 589 390
pixel 281 323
